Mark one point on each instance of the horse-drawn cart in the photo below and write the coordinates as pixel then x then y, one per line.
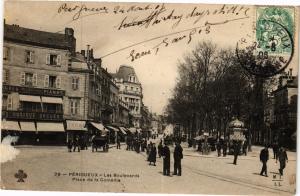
pixel 100 141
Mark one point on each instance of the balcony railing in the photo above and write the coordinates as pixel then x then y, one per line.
pixel 136 93
pixel 22 115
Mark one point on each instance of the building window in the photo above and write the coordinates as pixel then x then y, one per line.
pixel 6 53
pixel 126 88
pixel 28 79
pixel 131 88
pixel 5 76
pixel 53 59
pixel 52 81
pixel 74 105
pixel 31 107
pixel 75 83
pixel 29 56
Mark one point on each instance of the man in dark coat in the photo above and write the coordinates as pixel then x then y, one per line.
pixel 236 151
pixel 76 143
pixel 282 157
pixel 275 150
pixel 245 147
pixel 166 160
pixel 264 157
pixel 177 159
pixel 152 155
pixel 224 148
pixel 219 148
pixel 118 142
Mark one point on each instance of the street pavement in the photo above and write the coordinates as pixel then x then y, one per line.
pixel 54 169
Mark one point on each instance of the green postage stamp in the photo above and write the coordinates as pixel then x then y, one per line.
pixel 275 29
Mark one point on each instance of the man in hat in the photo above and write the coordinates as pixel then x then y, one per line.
pixel 166 160
pixel 282 157
pixel 264 157
pixel 177 159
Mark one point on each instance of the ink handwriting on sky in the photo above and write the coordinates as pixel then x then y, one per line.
pixel 150 15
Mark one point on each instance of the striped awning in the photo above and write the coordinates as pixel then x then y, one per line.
pixel 123 130
pixel 30 98
pixel 55 100
pixel 27 126
pixel 113 128
pixel 98 126
pixel 10 125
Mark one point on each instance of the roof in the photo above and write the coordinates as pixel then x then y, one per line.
pixel 35 37
pixel 125 71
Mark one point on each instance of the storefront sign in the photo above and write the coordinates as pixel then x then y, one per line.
pixel 33 91
pixel 31 115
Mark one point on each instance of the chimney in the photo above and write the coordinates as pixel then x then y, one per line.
pixel 69 37
pixel 87 53
pixel 83 53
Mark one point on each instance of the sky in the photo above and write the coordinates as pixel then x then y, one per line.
pixel 117 41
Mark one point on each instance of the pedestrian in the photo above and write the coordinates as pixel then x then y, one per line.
pixel 282 157
pixel 219 148
pixel 264 157
pixel 152 155
pixel 275 150
pixel 118 142
pixel 160 146
pixel 245 146
pixel 177 159
pixel 224 148
pixel 166 160
pixel 76 144
pixel 70 144
pixel 236 151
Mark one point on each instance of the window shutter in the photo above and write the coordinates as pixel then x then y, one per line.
pixel 31 56
pixel 9 102
pixel 22 79
pixel 48 59
pixel 58 82
pixel 58 59
pixel 3 75
pixel 34 79
pixel 46 81
pixel 77 83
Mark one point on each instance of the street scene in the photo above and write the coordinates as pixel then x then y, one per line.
pixel 149 98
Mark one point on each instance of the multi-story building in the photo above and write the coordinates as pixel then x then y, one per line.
pixel 35 68
pixel 114 101
pixel 285 109
pixel 107 109
pixel 130 92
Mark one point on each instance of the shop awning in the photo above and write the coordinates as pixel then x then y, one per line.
pixel 75 125
pixel 10 125
pixel 55 100
pixel 50 127
pixel 113 128
pixel 98 126
pixel 123 130
pixel 139 130
pixel 30 98
pixel 132 129
pixel 27 126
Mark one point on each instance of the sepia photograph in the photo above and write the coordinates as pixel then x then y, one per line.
pixel 145 97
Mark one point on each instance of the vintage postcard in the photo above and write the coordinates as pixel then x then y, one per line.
pixel 149 97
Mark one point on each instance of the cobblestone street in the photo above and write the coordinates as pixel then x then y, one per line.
pixel 53 168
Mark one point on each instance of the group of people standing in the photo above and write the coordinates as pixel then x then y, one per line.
pixel 164 152
pixel 279 155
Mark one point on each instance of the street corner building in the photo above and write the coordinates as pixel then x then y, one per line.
pixel 51 93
